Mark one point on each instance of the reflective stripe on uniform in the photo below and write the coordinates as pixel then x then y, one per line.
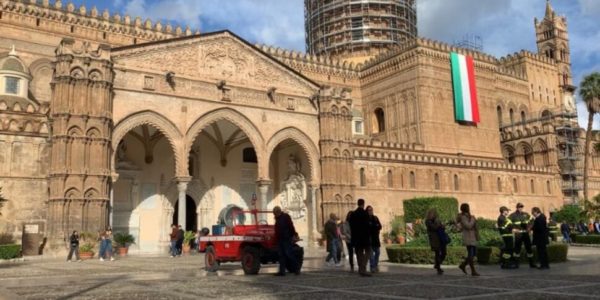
pixel 506 255
pixel 529 255
pixel 508 234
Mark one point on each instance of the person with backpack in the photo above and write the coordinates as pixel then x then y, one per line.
pixel 74 246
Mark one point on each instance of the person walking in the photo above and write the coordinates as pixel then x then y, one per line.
pixel 467 224
pixel 375 227
pixel 361 236
pixel 331 233
pixel 108 236
pixel 101 240
pixel 505 228
pixel 565 229
pixel 285 233
pixel 73 246
pixel 436 232
pixel 173 236
pixel 540 237
pixel 521 227
pixel 179 243
pixel 347 237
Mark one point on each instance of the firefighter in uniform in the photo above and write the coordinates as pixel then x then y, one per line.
pixel 505 227
pixel 521 226
pixel 553 228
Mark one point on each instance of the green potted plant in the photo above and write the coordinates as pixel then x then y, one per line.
pixel 87 244
pixel 123 240
pixel 188 237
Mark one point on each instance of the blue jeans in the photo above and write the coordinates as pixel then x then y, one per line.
pixel 173 248
pixel 374 259
pixel 286 256
pixel 102 252
pixel 566 238
pixel 334 251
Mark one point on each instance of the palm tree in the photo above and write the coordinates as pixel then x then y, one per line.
pixel 590 93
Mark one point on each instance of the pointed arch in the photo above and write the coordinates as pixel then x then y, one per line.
pixel 236 118
pixel 309 147
pixel 156 120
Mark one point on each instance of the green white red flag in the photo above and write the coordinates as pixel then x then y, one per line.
pixel 465 92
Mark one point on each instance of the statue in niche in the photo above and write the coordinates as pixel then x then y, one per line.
pixel 293 190
pixel 123 163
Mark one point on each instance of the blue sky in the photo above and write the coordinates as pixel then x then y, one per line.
pixel 505 26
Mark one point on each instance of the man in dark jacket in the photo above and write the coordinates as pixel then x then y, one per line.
pixel 540 236
pixel 285 233
pixel 361 236
pixel 180 234
pixel 375 228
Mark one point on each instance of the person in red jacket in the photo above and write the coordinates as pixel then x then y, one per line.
pixel 285 233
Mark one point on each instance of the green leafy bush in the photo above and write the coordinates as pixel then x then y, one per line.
pixel 586 239
pixel 568 213
pixel 10 251
pixel 455 254
pixel 86 247
pixel 416 208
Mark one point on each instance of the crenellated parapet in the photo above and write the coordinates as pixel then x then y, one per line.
pixel 87 23
pixel 304 62
pixel 517 57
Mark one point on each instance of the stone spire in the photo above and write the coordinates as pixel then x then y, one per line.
pixel 549 10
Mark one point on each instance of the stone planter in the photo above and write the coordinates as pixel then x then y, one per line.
pixel 86 255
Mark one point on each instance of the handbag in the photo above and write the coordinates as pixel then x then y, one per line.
pixel 444 237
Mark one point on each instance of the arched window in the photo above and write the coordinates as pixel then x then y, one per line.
pixel 390 179
pixel 515 185
pixel 532 186
pixel 523 119
pixel 363 178
pixel 456 183
pixel 479 184
pixel 499 114
pixel 511 115
pixel 510 155
pixel 379 125
pixel 413 180
pixel 499 184
pixel 548 187
pixel 528 155
pixel 436 181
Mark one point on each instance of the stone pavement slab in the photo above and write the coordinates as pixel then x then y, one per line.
pixel 136 277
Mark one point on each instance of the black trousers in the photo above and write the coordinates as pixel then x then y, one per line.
pixel 542 254
pixel 506 253
pixel 350 254
pixel 440 255
pixel 523 239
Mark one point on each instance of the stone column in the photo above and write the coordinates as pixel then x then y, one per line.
pixel 182 188
pixel 312 230
pixel 263 189
pixel 111 207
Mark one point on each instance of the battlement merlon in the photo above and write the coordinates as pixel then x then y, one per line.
pixel 36 14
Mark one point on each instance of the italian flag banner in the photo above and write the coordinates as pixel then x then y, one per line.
pixel 465 94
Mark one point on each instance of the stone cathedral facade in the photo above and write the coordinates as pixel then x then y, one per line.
pixel 107 120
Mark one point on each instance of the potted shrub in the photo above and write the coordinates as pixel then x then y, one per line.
pixel 86 250
pixel 123 240
pixel 188 237
pixel 387 237
pixel 87 243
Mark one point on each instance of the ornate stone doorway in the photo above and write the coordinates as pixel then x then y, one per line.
pixel 191 216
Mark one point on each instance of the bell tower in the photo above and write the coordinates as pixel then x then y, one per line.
pixel 81 116
pixel 552 39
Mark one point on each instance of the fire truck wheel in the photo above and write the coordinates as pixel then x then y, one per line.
pixel 210 259
pixel 251 260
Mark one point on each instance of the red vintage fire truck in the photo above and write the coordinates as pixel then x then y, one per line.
pixel 249 240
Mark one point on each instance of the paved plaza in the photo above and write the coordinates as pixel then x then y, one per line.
pixel 184 278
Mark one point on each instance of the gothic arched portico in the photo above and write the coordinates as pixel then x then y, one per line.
pixel 294 173
pixel 216 150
